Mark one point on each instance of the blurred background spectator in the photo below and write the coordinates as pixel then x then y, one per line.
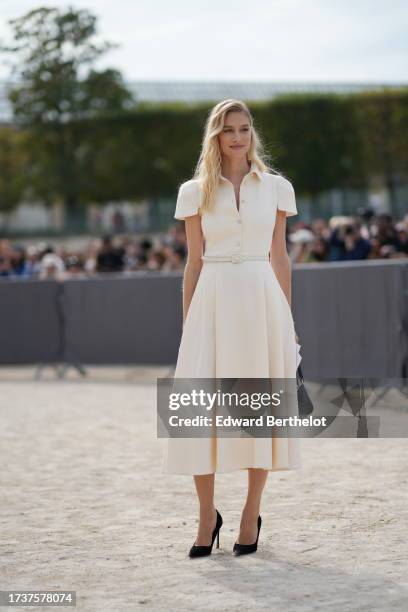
pixel 110 258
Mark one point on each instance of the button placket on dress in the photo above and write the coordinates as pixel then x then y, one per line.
pixel 237 255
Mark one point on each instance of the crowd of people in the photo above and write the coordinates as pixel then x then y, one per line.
pixel 342 238
pixel 366 236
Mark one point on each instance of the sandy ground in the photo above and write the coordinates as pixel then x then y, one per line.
pixel 86 508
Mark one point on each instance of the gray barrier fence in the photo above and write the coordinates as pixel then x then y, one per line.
pixel 352 319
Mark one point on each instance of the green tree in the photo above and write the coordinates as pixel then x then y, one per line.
pixel 13 164
pixel 53 52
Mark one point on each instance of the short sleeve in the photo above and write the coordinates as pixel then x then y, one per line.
pixel 286 196
pixel 187 200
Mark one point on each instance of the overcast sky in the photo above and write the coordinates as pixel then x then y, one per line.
pixel 252 40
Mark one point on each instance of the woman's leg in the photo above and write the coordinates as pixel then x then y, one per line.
pixel 208 515
pixel 249 520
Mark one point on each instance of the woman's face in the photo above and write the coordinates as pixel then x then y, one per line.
pixel 235 136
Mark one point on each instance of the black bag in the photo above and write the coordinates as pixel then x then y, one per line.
pixel 304 402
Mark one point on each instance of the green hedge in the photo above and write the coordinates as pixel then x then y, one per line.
pixel 318 141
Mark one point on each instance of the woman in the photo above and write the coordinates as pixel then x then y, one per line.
pixel 236 307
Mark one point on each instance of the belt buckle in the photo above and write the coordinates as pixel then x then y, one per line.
pixel 236 258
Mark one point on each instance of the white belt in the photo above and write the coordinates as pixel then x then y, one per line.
pixel 235 257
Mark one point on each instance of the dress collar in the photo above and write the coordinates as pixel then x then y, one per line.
pixel 254 169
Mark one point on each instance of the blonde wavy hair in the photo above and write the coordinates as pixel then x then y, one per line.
pixel 208 169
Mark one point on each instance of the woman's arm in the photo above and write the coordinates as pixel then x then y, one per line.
pixel 280 260
pixel 194 262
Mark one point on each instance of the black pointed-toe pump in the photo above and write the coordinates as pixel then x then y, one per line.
pixel 245 549
pixel 203 551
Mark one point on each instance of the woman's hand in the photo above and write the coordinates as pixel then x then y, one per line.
pixel 297 338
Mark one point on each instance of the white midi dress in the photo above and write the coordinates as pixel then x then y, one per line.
pixel 239 322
